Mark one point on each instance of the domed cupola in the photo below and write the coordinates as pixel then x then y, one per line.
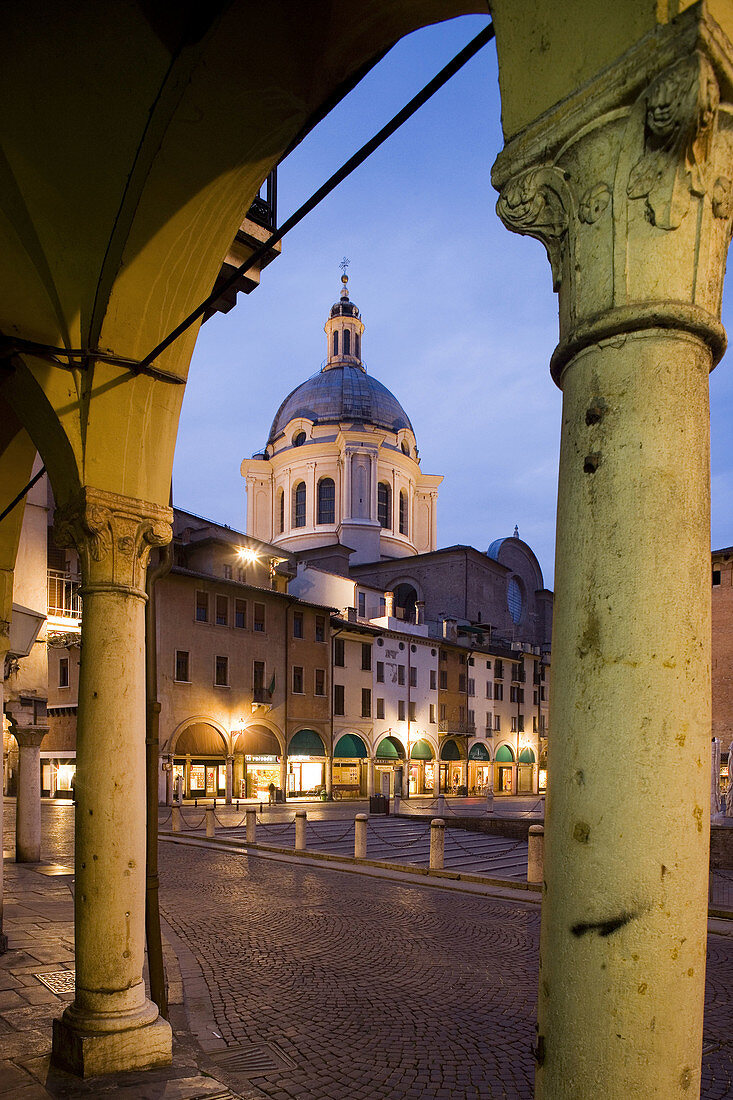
pixel 344 329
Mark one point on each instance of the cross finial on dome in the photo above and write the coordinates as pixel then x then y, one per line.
pixel 344 277
pixel 516 531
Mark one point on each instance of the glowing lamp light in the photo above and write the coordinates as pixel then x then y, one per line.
pixel 247 555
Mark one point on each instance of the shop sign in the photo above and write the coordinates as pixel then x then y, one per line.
pixel 302 759
pixel 263 758
pixel 384 760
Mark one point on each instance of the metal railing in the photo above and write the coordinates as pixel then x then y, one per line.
pixel 64 600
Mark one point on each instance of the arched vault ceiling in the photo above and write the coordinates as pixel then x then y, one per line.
pixel 135 135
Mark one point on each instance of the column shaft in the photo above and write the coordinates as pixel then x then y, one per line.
pixel 28 804
pixel 627 825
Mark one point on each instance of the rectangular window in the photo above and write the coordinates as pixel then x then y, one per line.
pixel 543 693
pixel 433 678
pixel 444 679
pixel 513 694
pixel 259 617
pixel 412 710
pixel 442 712
pixel 461 681
pixel 240 575
pixel 240 614
pixel 401 710
pixel 536 697
pixel 534 723
pixel 489 690
pixel 366 657
pixel 227 572
pixel 64 671
pixel 320 681
pixel 498 669
pixel 362 605
pixel 202 607
pixel 297 624
pixel 221 672
pixel 498 692
pixel 413 677
pixel 181 666
pixel 488 664
pixel 471 661
pixel 716 576
pixel 520 723
pixel 338 699
pixel 471 717
pixel 497 721
pixel 380 672
pixel 320 628
pixel 461 715
pixel 222 611
pixel 471 686
pixel 298 680
pixel 489 723
pixel 444 654
pixel 338 652
pixel 258 680
pixel 366 702
pixel 514 724
pixel 401 674
pixel 432 713
pixel 380 708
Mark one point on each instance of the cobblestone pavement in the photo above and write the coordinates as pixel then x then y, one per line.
pixel 303 983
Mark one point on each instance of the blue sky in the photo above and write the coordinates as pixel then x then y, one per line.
pixel 460 315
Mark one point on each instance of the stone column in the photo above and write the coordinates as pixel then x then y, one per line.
pixel 4 644
pixel 229 775
pixel 169 781
pixel 370 777
pixel 28 805
pixel 284 776
pixel 329 774
pixel 111 1026
pixel 629 187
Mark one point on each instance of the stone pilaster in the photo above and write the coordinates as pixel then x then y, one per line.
pixel 628 186
pixel 111 1025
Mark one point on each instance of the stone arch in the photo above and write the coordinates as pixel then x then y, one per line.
pixel 255 739
pixel 455 752
pixel 393 740
pixel 269 726
pixel 351 740
pixel 171 744
pixel 505 754
pixel 478 743
pixel 304 736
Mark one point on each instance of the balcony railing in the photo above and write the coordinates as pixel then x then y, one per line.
pixel 448 726
pixel 64 601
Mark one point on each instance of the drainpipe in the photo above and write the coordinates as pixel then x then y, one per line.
pixel 158 990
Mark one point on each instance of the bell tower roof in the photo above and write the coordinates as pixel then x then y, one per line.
pixel 344 329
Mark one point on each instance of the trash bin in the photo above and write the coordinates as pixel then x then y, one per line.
pixel 378 804
pixel 279 794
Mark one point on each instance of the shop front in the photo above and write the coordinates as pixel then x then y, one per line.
pixel 504 770
pixel 479 769
pixel 306 765
pixel 349 767
pixel 452 768
pixel 257 758
pixel 388 766
pixel 58 769
pixel 202 778
pixel 422 768
pixel 526 771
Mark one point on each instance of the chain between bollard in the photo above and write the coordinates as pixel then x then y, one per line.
pixel 335 840
pixel 277 829
pixel 405 844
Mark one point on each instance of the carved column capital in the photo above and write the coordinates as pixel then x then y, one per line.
pixel 629 187
pixel 113 535
pixel 29 737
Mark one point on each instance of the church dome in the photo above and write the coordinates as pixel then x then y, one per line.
pixel 342 391
pixel 345 392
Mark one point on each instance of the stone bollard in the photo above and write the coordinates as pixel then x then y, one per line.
pixel 536 853
pixel 360 836
pixel 300 820
pixel 440 806
pixel 251 834
pixel 176 819
pixel 489 800
pixel 437 844
pixel 210 827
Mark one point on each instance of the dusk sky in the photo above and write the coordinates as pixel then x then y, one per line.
pixel 460 315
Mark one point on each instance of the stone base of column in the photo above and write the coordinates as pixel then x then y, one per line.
pixel 88 1053
pixel 3 943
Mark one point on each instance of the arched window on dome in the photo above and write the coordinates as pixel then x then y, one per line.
pixel 326 500
pixel 299 505
pixel 347 341
pixel 281 511
pixel 384 505
pixel 357 345
pixel 403 512
pixel 336 342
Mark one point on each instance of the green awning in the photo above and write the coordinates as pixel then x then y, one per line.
pixel 421 750
pixel 350 747
pixel 450 751
pixel 479 752
pixel 306 743
pixel 526 756
pixel 387 750
pixel 504 755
